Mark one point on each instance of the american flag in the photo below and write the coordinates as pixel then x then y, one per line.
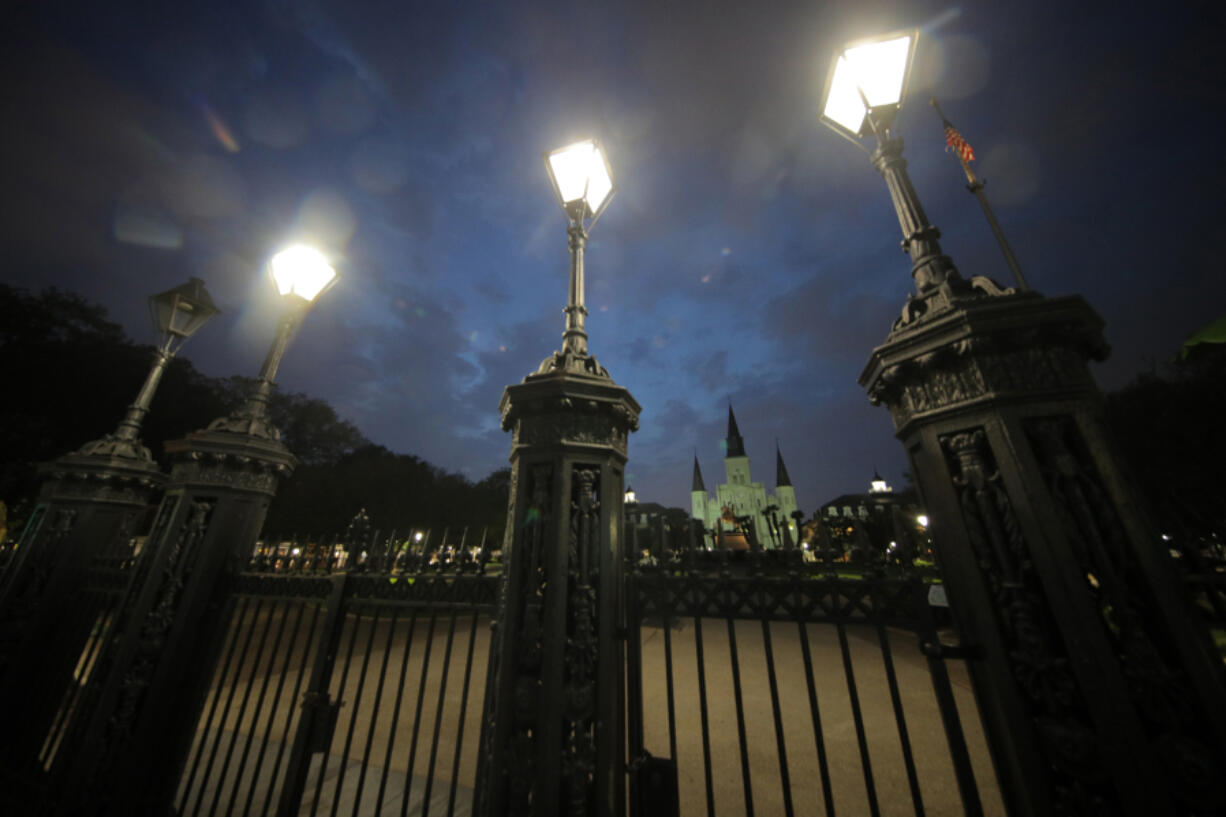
pixel 954 140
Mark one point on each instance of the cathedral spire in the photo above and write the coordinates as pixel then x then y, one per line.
pixel 735 445
pixel 698 485
pixel 781 470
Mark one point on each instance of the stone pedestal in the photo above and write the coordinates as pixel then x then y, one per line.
pixel 152 676
pixel 1099 688
pixel 553 737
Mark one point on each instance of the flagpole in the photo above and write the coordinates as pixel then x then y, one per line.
pixel 975 185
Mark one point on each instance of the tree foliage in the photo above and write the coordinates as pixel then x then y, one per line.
pixel 1171 433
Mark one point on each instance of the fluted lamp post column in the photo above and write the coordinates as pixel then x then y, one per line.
pixel 552 742
pixel 1098 686
pixel 221 482
pixel 82 527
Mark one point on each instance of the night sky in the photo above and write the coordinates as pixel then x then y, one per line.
pixel 750 255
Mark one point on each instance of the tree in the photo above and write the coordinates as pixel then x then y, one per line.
pixel 1171 434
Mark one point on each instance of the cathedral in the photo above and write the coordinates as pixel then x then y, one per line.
pixel 741 511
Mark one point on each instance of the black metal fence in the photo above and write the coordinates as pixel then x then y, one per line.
pixel 780 686
pixel 351 677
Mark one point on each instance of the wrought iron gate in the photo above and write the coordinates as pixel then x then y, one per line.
pixel 345 694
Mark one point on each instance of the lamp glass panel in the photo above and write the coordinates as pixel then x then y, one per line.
pixel 879 68
pixel 181 320
pixel 843 104
pixel 580 173
pixel 302 271
pixel 161 310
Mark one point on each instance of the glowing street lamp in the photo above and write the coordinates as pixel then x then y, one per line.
pixel 865 90
pixel 584 185
pixel 867 84
pixel 301 274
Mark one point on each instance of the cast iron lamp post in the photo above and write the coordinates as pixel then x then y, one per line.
pixel 865 90
pixel 221 482
pixel 584 186
pixel 89 504
pixel 93 493
pixel 1075 624
pixel 552 740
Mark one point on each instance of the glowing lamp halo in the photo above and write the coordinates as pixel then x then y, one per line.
pixel 880 67
pixel 582 178
pixel 302 271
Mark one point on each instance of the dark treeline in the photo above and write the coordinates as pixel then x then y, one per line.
pixel 1172 430
pixel 67 375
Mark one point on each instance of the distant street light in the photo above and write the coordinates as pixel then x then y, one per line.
pixel 177 314
pixel 584 185
pixel 630 497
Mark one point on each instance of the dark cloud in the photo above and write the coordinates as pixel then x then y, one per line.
pixel 749 254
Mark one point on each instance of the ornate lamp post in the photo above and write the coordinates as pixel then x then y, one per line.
pixel 1099 689
pixel 221 482
pixel 88 505
pixel 552 740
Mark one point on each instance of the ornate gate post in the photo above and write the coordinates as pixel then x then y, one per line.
pixel 150 678
pixel 553 738
pixel 1099 688
pixel 69 569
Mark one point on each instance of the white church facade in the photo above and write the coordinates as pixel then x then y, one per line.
pixel 740 498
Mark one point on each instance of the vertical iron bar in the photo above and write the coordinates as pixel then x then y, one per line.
pixel 900 719
pixel 459 741
pixel 958 753
pixel 221 681
pixel 784 779
pixel 242 710
pixel 374 710
pixel 272 711
pixel 823 764
pixel 634 685
pixel 421 695
pixel 353 718
pixel 259 701
pixel 63 718
pixel 854 699
pixel 340 691
pixel 668 680
pixel 740 717
pixel 438 715
pixel 391 736
pixel 323 647
pixel 702 703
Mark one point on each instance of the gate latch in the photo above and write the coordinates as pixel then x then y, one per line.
pixel 657 785
pixel 321 713
pixel 965 652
